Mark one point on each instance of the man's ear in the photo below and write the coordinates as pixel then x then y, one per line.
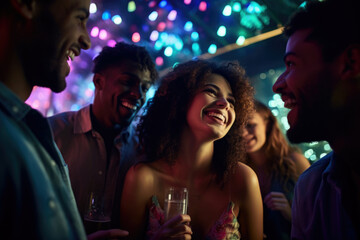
pixel 99 81
pixel 351 58
pixel 25 8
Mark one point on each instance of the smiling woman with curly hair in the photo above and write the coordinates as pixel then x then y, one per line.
pixel 190 136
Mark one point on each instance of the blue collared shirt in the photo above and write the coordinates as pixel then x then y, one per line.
pixel 36 200
pixel 317 210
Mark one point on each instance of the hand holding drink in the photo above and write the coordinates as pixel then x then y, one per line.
pixel 98 214
pixel 176 202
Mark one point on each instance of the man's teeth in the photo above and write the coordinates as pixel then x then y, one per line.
pixel 289 103
pixel 217 115
pixel 70 54
pixel 129 105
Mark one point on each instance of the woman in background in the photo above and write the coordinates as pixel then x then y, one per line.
pixel 190 137
pixel 277 165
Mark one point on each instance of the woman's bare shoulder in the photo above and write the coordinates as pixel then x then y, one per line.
pixel 244 177
pixel 141 175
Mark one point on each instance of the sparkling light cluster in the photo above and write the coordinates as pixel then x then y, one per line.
pixel 172 32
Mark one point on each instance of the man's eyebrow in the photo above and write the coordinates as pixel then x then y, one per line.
pixel 288 54
pixel 130 74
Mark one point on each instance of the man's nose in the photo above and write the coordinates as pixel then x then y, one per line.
pixel 279 84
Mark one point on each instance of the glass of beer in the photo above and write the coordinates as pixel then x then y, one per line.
pixel 98 213
pixel 176 202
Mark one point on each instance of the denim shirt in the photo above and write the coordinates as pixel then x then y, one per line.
pixel 317 210
pixel 36 200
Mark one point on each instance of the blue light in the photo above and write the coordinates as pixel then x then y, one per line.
pixel 106 15
pixel 162 4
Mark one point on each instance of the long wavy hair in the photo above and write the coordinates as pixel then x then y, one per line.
pixel 277 149
pixel 160 128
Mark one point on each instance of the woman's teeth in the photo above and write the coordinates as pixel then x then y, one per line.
pixel 217 115
pixel 70 54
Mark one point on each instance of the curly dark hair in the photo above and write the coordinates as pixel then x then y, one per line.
pixel 277 148
pixel 123 52
pixel 160 128
pixel 335 24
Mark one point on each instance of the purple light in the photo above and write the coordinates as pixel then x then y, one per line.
pixel 152 4
pixel 172 15
pixel 154 35
pixel 94 32
pixel 103 34
pixel 111 43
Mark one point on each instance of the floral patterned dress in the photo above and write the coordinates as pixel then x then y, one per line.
pixel 225 228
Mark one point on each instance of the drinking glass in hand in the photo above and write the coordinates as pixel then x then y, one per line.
pixel 97 215
pixel 176 202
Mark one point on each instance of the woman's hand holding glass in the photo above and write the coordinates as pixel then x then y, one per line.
pixel 177 227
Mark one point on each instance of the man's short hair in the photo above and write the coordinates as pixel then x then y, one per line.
pixel 124 52
pixel 335 24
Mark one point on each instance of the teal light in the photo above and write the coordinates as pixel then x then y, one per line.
pixel 275 112
pixel 196 48
pixel 285 123
pixel 236 7
pixel 168 51
pixel 212 49
pixel 164 36
pixel 254 7
pixel 303 5
pixel 179 44
pixel 308 153
pixel 221 32
pixel 116 19
pixel 195 36
pixel 227 10
pixel 313 157
pixel 240 41
pixel 327 147
pixel 188 26
pixel 158 45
